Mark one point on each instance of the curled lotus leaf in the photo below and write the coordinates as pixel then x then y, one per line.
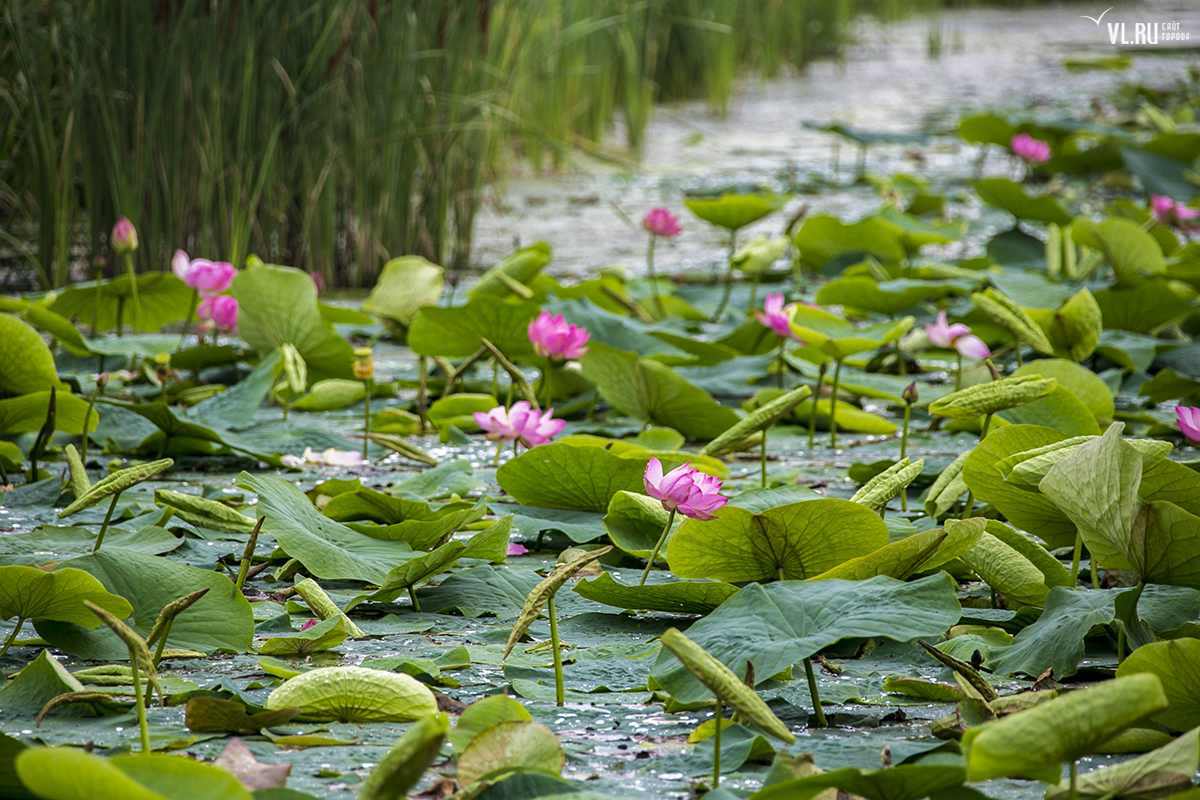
pixel 398 444
pixel 542 593
pixel 116 483
pixel 1008 464
pixel 406 762
pixel 947 487
pixel 990 398
pixel 295 370
pixel 1030 471
pixel 725 684
pixel 204 513
pixel 31 593
pixel 1165 772
pixel 321 604
pixel 76 471
pixel 355 694
pixel 920 552
pixel 1008 314
pixel 876 492
pixel 760 419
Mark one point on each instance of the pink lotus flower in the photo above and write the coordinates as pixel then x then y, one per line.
pixel 778 317
pixel 519 422
pixel 1167 211
pixel 221 310
pixel 1035 151
pixel 1189 423
pixel 684 489
pixel 124 237
pixel 208 277
pixel 661 222
pixel 515 549
pixel 956 336
pixel 554 337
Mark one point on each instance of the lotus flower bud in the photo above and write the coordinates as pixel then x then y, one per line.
pixel 910 393
pixel 124 237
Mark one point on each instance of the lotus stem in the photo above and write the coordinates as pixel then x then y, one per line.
pixel 248 555
pixel 104 526
pixel 903 450
pixel 137 306
pixel 718 712
pixel 1017 351
pixel 818 712
pixel 782 363
pixel 188 319
pixel 546 379
pixel 12 637
pixel 812 415
pixel 412 596
pixel 958 374
pixel 764 459
pixel 653 278
pixel 987 423
pixel 559 691
pixel 120 316
pixel 968 505
pixel 1074 779
pixel 657 546
pixel 1075 559
pixel 423 379
pixel 138 701
pixel 1094 569
pixel 87 419
pixel 499 448
pixel 162 646
pixel 902 366
pixel 833 399
pixel 366 417
pixel 728 277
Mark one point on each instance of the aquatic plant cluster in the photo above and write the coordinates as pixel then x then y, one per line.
pixel 1001 588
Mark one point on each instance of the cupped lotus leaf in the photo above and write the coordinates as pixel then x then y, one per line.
pixel 992 397
pixel 733 211
pixel 116 483
pixel 1007 571
pixel 677 597
pixel 756 421
pixel 483 714
pixel 882 297
pixel 354 694
pixel 878 491
pixel 1075 328
pixel 1127 247
pixel 66 773
pixel 29 593
pixel 562 476
pixel 838 338
pixel 758 500
pixel 1011 197
pixel 331 394
pixel 760 255
pixel 773 626
pixel 204 513
pixel 456 332
pixel 904 782
pixel 40 316
pixel 510 746
pixel 323 636
pixel 1080 381
pixel 295 371
pixel 27 413
pixel 1035 742
pixel 791 542
pixel 1060 410
pixel 1145 308
pixel 1030 471
pixel 278 305
pixel 521 266
pixel 725 685
pixel 220 621
pixel 652 391
pixel 1052 570
pixel 162 299
pixel 545 591
pixel 947 487
pixel 26 364
pixel 921 552
pixel 1176 663
pixel 634 522
pixel 405 286
pixel 460 409
pixel 823 237
pixel 404 765
pixel 1008 314
pixel 1164 772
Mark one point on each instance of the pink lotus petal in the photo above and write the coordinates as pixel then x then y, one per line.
pixel 1189 423
pixel 971 347
pixel 515 549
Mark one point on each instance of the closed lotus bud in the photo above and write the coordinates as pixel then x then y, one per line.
pixel 124 237
pixel 102 380
pixel 910 393
pixel 162 367
pixel 364 364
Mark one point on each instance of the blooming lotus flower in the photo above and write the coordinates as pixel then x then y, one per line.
pixel 1167 211
pixel 956 336
pixel 778 317
pixel 661 222
pixel 1189 423
pixel 1035 151
pixel 519 422
pixel 221 311
pixel 207 277
pixel 554 337
pixel 684 489
pixel 124 237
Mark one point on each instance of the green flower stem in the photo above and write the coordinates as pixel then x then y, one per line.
pixel 188 319
pixel 559 691
pixel 728 277
pixel 718 712
pixel 87 419
pixel 958 374
pixel 657 546
pixel 653 278
pixel 902 367
pixel 412 596
pixel 782 363
pixel 833 398
pixel 1094 570
pixel 12 637
pixel 1017 351
pixel 423 370
pixel 137 307
pixel 764 459
pixel 1075 560
pixel 1074 779
pixel 366 417
pixel 546 379
pixel 753 293
pixel 818 712
pixel 987 423
pixel 812 415
pixel 104 526
pixel 499 448
pixel 968 505
pixel 904 450
pixel 158 653
pixel 139 701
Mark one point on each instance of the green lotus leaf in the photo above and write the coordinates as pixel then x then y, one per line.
pixel 920 552
pixel 483 714
pixel 734 211
pixel 1164 772
pixel 331 394
pixel 323 636
pixel 823 237
pixel 791 542
pixel 878 491
pixel 904 782
pixel 1008 314
pixel 456 332
pixel 1177 664
pixel 27 413
pixel 402 768
pixel 1007 571
pixel 849 418
pixel 162 300
pixel 883 297
pixel 1035 742
pixel 1052 570
pixel 635 521
pixel 510 746
pixel 758 420
pixel 116 483
pixel 989 398
pixel 947 487
pixel 1028 470
pixel 1060 410
pixel 405 286
pixel 1075 328
pixel 354 694
pixel 37 684
pixel 67 773
pixel 839 338
pixel 1145 308
pixel 1127 247
pixel 26 364
pixel 760 255
pixel 561 476
pixel 677 597
pixel 29 593
pixel 521 266
pixel 1011 197
pixel 1080 381
pixel 204 513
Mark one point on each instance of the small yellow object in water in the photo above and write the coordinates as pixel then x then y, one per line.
pixel 364 364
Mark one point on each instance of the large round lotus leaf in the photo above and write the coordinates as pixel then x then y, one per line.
pixel 25 361
pixel 30 593
pixel 514 746
pixel 355 694
pixel 733 211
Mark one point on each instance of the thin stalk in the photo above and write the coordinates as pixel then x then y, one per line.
pixel 833 398
pixel 782 363
pixel 366 417
pixel 104 527
pixel 87 419
pixel 958 374
pixel 1095 570
pixel 423 371
pixel 657 546
pixel 546 378
pixel 559 692
pixel 248 555
pixel 1017 351
pixel 653 278
pixel 968 505
pixel 818 712
pixel 1075 559
pixel 1074 780
pixel 137 306
pixel 903 365
pixel 718 712
pixel 764 459
pixel 138 701
pixel 728 277
pixel 499 449
pixel 987 423
pixel 162 647
pixel 812 415
pixel 287 405
pixel 412 596
pixel 12 637
pixel 753 292
pixel 188 319
pixel 903 450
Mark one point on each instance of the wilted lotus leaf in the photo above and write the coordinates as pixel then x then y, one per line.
pixel 116 483
pixel 989 398
pixel 355 694
pixel 876 492
pixel 545 590
pixel 323 636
